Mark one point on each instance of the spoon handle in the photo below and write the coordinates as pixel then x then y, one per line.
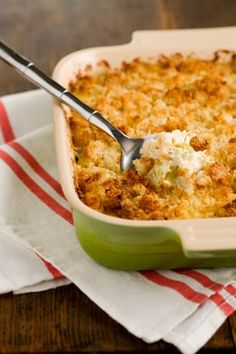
pixel 39 78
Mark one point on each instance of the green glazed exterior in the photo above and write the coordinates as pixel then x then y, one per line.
pixel 138 248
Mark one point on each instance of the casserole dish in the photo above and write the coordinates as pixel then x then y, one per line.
pixel 130 244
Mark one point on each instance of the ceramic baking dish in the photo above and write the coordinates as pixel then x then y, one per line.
pixel 130 244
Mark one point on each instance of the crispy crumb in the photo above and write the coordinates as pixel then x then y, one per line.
pixel 218 172
pixel 199 143
pixel 162 95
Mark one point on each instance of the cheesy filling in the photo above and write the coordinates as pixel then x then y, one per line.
pixel 175 162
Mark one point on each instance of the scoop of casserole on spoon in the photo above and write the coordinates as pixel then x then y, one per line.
pixel 130 147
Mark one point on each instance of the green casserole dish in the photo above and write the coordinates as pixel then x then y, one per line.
pixel 130 244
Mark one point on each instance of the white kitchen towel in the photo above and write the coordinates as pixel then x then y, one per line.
pixel 184 307
pixel 21 270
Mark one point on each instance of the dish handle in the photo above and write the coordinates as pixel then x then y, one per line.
pixel 205 237
pixel 203 39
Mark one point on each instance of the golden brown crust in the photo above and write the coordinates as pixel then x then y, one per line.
pixel 143 97
pixel 219 173
pixel 199 143
pixel 230 208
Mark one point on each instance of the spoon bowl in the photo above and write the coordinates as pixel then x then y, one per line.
pixel 131 150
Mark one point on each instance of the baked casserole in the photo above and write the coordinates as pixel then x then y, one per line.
pixel 189 169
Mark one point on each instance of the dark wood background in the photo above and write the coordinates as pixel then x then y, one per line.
pixel 64 320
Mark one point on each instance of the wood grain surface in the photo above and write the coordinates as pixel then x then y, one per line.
pixel 65 320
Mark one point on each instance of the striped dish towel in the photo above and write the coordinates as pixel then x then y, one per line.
pixel 39 249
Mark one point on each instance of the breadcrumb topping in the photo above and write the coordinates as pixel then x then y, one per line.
pixel 189 169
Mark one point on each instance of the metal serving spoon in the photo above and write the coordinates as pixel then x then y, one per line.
pixel 130 146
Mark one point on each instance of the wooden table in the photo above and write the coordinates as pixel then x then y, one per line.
pixel 65 320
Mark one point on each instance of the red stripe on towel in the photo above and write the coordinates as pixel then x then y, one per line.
pixel 36 189
pixel 56 273
pixel 179 286
pixel 34 164
pixel 200 278
pixel 5 125
pixel 212 285
pixel 231 289
pixel 222 304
